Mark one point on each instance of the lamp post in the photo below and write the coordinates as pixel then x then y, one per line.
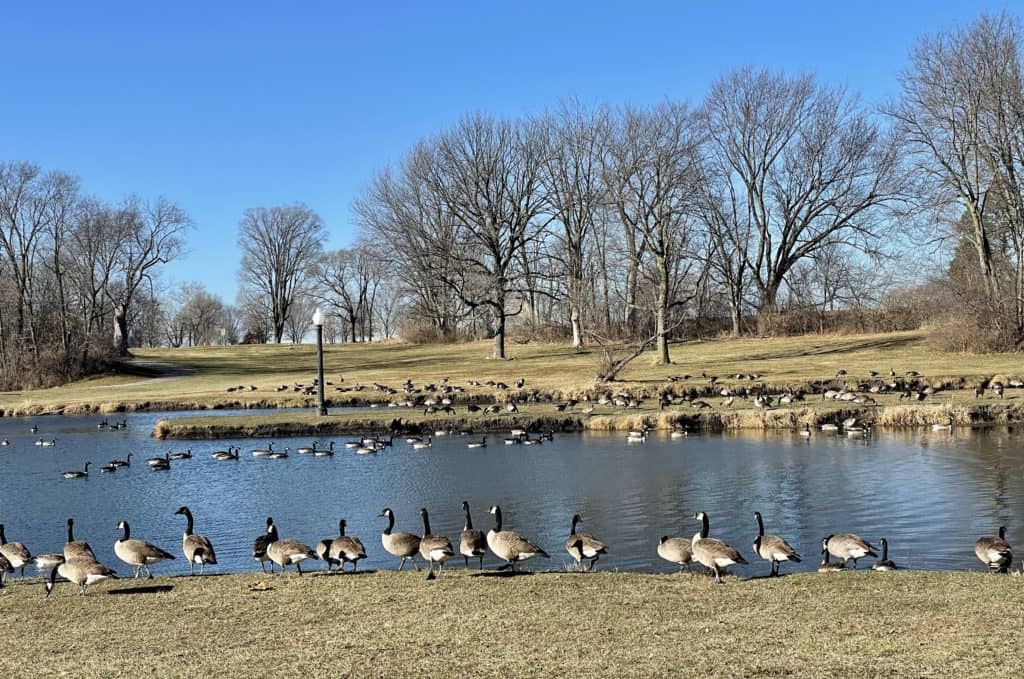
pixel 318 323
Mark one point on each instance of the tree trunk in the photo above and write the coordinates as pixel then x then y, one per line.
pixel 499 335
pixel 735 317
pixel 660 330
pixel 121 329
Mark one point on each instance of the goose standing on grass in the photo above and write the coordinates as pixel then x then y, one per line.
pixel 772 548
pixel 583 546
pixel 138 553
pixel 5 568
pixel 884 564
pixel 849 547
pixel 713 553
pixel 81 571
pixel 435 549
pixel 78 474
pixel 76 549
pixel 197 548
pixel 509 546
pixel 472 543
pixel 676 550
pixel 403 545
pixel 287 552
pixel 826 565
pixel 15 552
pixel 260 544
pixel 995 552
pixel 346 548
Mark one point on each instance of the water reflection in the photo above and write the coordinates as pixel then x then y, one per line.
pixel 930 493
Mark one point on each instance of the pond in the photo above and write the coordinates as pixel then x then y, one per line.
pixel 930 493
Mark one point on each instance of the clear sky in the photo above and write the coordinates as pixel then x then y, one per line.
pixel 223 105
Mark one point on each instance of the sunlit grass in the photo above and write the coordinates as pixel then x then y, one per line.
pixel 548 624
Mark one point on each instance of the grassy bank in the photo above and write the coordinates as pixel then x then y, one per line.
pixel 544 417
pixel 202 377
pixel 397 624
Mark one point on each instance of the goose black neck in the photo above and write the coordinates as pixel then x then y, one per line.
pixel 575 520
pixel 885 549
pixel 760 524
pixel 127 531
pixel 3 536
pixel 391 523
pixel 704 527
pixel 53 576
pixel 1002 532
pixel 188 519
pixel 497 519
pixel 71 531
pixel 426 523
pixel 469 520
pixel 341 527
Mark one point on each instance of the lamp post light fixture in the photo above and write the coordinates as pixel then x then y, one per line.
pixel 318 323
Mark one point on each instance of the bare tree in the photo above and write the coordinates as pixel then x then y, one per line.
pixel 154 236
pixel 487 176
pixel 576 192
pixel 810 166
pixel 279 244
pixel 652 174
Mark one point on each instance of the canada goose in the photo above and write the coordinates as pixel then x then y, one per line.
pixel 848 547
pixel 287 552
pixel 345 549
pixel 509 546
pixel 157 461
pixel 5 442
pixel 138 553
pixel 34 429
pixel 420 445
pixel 44 562
pixel 121 463
pixel 772 548
pixel 403 545
pixel 81 571
pixel 197 548
pixel 583 546
pixel 259 545
pixel 806 431
pixel 74 549
pixel 472 542
pixel 944 426
pixel 230 454
pixel 263 452
pixel 884 564
pixel 435 549
pixel 826 565
pixel 279 455
pixel 15 552
pixel 187 455
pixel 679 434
pixel 676 550
pixel 161 465
pixel 482 443
pixel 306 450
pixel 78 475
pixel 49 443
pixel 324 452
pixel 995 552
pixel 713 553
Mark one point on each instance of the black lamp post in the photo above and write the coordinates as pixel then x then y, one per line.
pixel 318 323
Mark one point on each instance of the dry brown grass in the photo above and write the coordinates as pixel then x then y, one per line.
pixel 553 624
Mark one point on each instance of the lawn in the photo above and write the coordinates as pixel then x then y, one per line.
pixel 555 369
pixel 547 624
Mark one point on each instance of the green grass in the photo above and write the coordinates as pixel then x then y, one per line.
pixel 551 624
pixel 550 368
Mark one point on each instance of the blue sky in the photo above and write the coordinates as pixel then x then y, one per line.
pixel 222 106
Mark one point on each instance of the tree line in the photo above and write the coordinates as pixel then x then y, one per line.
pixel 776 203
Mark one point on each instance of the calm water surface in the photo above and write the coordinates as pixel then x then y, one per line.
pixel 930 493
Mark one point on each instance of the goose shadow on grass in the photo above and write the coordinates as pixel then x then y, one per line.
pixel 142 589
pixel 502 574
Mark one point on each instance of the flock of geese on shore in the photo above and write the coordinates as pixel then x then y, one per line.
pixel 78 563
